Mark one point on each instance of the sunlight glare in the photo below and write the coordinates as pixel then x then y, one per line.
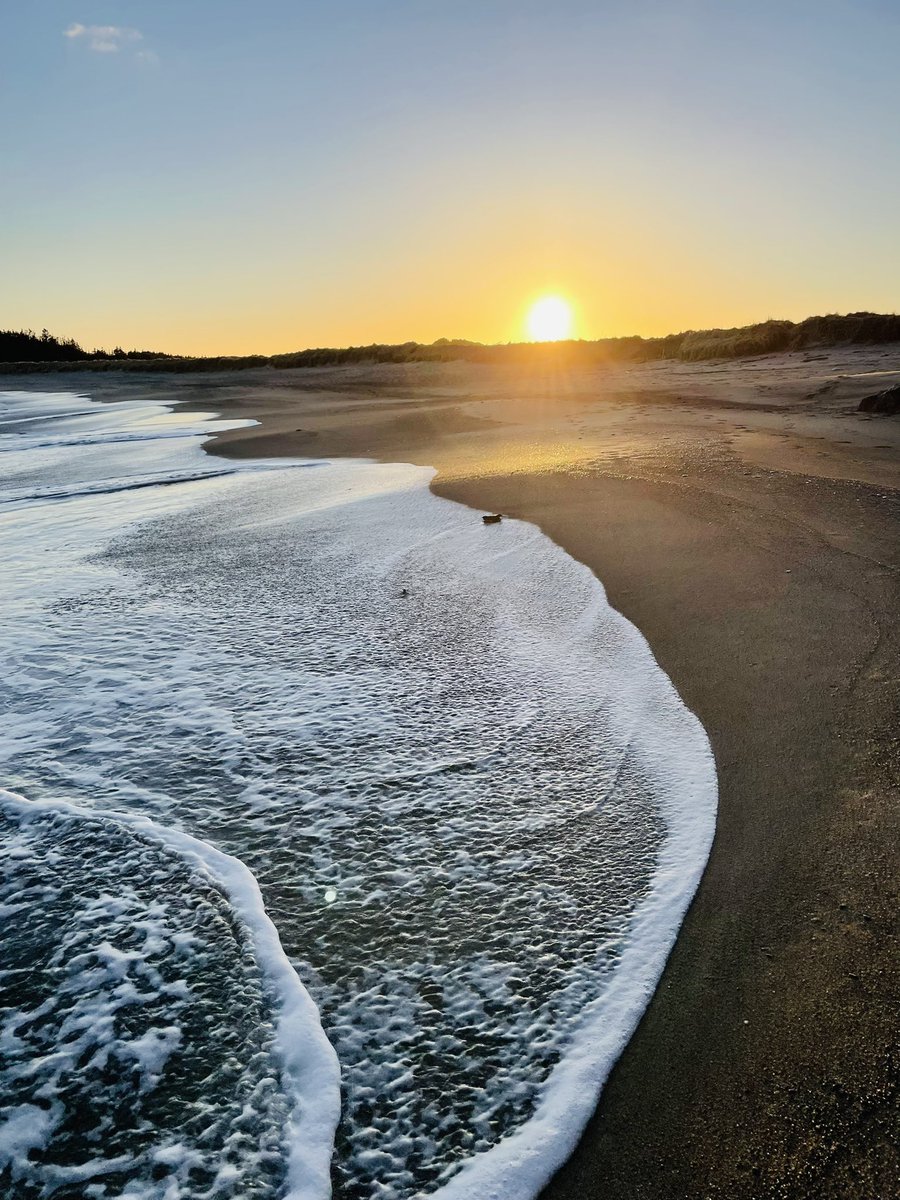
pixel 550 319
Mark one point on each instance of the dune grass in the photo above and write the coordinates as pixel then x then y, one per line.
pixel 25 352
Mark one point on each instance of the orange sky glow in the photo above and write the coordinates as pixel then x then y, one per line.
pixel 427 171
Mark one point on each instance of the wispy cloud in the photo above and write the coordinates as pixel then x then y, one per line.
pixel 104 39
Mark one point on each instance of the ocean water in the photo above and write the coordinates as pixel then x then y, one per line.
pixel 344 838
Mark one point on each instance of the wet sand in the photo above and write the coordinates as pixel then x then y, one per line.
pixel 747 520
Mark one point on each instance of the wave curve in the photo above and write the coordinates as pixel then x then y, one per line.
pixel 309 1064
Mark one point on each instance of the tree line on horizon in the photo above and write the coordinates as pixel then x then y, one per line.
pixel 24 345
pixel 23 351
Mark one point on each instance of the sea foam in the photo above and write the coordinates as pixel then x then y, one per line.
pixel 119 961
pixel 475 807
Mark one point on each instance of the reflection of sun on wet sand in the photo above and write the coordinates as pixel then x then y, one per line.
pixel 745 517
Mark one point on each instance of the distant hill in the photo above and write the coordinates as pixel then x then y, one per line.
pixel 22 352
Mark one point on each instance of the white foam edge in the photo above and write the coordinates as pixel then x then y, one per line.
pixel 676 747
pixel 308 1061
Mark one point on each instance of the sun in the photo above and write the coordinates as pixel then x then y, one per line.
pixel 550 319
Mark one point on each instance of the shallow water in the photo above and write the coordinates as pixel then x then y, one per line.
pixel 136 1029
pixel 474 806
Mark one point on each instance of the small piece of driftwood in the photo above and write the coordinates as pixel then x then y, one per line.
pixel 492 518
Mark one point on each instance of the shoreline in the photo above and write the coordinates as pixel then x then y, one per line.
pixel 749 530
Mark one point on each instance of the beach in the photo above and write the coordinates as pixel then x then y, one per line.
pixel 450 527
pixel 745 518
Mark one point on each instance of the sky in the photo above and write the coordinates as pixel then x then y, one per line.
pixel 227 177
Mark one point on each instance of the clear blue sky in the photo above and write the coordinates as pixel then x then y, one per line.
pixel 230 176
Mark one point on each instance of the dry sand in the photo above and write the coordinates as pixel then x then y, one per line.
pixel 746 519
